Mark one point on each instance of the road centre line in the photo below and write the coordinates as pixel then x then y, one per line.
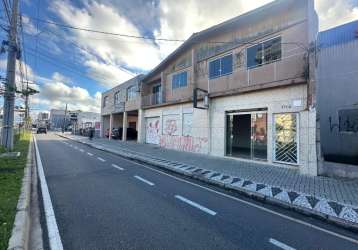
pixel 355 241
pixel 144 180
pixel 90 154
pixel 101 159
pixel 281 245
pixel 196 205
pixel 117 167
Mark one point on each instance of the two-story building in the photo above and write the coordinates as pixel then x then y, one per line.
pixel 253 78
pixel 119 107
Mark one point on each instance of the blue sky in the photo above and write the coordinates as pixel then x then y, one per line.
pixel 71 66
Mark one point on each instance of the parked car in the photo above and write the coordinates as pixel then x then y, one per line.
pixel 41 130
pixel 118 132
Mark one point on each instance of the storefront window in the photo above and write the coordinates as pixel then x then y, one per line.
pixel 286 138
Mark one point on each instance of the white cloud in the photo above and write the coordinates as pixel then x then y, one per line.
pixel 56 93
pixel 336 12
pixel 111 52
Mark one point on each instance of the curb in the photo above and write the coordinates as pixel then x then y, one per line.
pixel 21 230
pixel 333 212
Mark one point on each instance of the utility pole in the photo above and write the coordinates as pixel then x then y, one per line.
pixel 7 138
pixel 64 120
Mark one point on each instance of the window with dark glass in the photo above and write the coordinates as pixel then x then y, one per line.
pixel 117 97
pixel 221 66
pixel 180 80
pixel 131 93
pixel 105 101
pixel 263 53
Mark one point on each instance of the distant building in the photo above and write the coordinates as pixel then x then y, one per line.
pixel 43 116
pixel 58 119
pixel 338 100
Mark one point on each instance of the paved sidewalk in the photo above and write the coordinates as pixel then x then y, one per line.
pixel 255 176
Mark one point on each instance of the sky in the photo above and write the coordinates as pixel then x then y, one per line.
pixel 74 67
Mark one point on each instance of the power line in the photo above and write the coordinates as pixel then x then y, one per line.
pixel 6 8
pixel 81 48
pixel 153 38
pixel 64 66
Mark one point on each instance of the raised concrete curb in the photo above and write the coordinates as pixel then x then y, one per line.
pixel 331 211
pixel 21 230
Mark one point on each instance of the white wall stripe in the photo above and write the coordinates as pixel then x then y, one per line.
pixel 196 205
pixel 144 180
pixel 281 245
pixel 52 229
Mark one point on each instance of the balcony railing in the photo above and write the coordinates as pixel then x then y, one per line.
pixel 152 99
pixel 119 107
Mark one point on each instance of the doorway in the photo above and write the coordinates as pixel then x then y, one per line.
pixel 246 135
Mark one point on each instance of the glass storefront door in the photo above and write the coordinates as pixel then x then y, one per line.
pixel 246 135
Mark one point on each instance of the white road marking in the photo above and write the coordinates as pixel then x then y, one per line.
pixel 196 205
pixel 144 180
pixel 76 147
pixel 82 150
pixel 117 167
pixel 281 245
pixel 250 204
pixel 101 159
pixel 52 229
pixel 90 154
pixel 70 145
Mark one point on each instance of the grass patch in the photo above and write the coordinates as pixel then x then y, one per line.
pixel 11 173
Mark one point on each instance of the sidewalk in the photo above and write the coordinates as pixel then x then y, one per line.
pixel 320 195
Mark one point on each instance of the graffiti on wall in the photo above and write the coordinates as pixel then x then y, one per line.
pixel 185 143
pixel 171 124
pixel 347 121
pixel 152 130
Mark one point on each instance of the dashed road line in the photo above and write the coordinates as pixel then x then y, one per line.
pixel 196 205
pixel 90 154
pixel 144 180
pixel 298 221
pixel 117 167
pixel 101 159
pixel 281 245
pixel 82 150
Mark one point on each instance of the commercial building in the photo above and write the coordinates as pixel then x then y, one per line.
pixel 254 78
pixel 120 108
pixel 59 119
pixel 337 86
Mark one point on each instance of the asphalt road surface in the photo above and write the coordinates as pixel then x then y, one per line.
pixel 102 201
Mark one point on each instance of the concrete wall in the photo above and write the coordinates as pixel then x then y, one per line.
pixel 338 90
pixel 181 127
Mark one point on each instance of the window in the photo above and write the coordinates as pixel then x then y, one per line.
pixel 117 97
pixel 221 66
pixel 348 120
pixel 180 80
pixel 286 138
pixel 105 101
pixel 263 53
pixel 131 93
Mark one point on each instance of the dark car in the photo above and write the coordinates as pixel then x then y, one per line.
pixel 41 130
pixel 118 132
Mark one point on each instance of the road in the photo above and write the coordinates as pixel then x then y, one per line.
pixel 102 201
